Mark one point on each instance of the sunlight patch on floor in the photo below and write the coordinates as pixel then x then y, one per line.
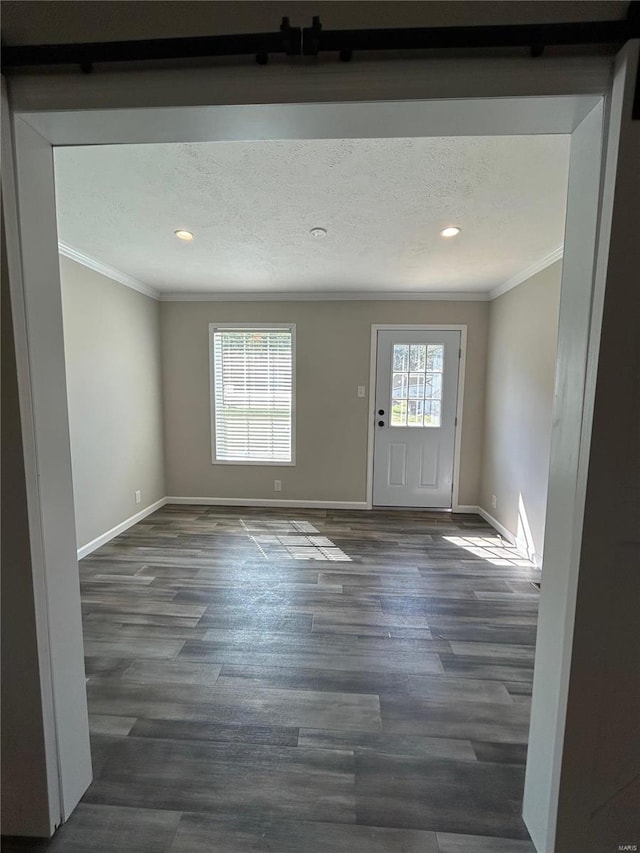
pixel 491 548
pixel 292 540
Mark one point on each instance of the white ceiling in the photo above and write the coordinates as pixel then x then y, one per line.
pixel 251 205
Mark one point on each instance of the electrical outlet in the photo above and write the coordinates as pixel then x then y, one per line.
pixel 494 501
pixel 362 390
pixel 277 485
pixel 138 496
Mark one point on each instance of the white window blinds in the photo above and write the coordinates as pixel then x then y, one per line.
pixel 253 394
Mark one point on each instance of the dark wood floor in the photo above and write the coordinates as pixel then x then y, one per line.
pixel 303 681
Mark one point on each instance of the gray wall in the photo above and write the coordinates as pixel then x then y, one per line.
pixel 112 353
pixel 521 361
pixel 333 353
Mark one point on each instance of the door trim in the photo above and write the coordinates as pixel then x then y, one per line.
pixel 373 365
pixel 507 96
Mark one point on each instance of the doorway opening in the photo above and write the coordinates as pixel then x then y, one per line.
pixel 44 344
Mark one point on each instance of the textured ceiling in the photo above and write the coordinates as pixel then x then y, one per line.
pixel 251 205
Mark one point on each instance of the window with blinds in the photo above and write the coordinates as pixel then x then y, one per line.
pixel 252 394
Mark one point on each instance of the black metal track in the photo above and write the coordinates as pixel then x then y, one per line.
pixel 310 41
pixel 294 41
pixel 316 40
pixel 288 41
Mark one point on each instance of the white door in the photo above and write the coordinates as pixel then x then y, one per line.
pixel 415 417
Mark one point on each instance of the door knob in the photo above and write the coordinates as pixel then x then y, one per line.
pixel 380 423
pixel 381 411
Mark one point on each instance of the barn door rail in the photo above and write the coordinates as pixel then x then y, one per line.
pixel 287 40
pixel 315 40
pixel 536 37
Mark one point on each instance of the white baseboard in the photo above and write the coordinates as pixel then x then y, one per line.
pixel 502 530
pixel 283 502
pixel 466 508
pixel 119 528
pixel 520 544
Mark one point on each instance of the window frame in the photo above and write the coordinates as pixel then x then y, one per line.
pixel 266 327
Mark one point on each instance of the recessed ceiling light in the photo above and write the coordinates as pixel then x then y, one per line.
pixel 184 235
pixel 318 233
pixel 450 231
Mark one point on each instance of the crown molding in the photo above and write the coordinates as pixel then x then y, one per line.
pixel 325 296
pixel 310 296
pixel 524 274
pixel 108 271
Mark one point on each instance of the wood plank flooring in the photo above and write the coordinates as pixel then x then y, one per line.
pixel 305 681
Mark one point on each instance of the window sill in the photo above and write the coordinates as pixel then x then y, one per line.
pixel 254 462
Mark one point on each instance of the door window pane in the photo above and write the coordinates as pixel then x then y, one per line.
pixel 401 357
pixel 416 385
pixel 417 357
pixel 431 413
pixel 399 413
pixel 435 357
pixel 433 386
pixel 415 413
pixel 399 386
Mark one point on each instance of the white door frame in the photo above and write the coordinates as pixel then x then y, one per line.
pixel 469 97
pixel 373 367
